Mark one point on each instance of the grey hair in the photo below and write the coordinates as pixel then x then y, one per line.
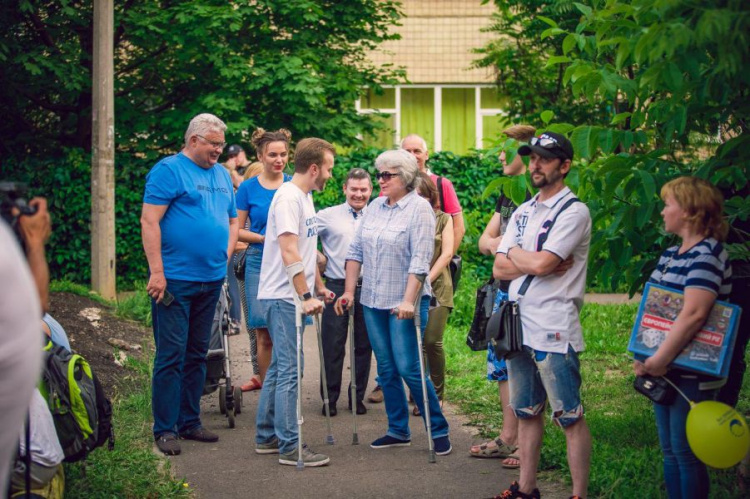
pixel 204 124
pixel 414 136
pixel 404 162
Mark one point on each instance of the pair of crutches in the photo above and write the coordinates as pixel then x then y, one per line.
pixel 300 326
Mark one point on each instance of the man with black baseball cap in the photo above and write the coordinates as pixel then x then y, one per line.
pixel 548 145
pixel 544 253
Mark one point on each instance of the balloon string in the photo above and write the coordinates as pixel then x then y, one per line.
pixel 690 402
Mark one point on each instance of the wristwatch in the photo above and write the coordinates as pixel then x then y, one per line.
pixel 306 296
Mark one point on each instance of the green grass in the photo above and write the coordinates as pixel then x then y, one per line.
pixel 137 305
pixel 131 470
pixel 626 458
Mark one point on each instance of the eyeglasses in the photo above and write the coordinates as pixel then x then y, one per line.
pixel 385 176
pixel 544 141
pixel 215 145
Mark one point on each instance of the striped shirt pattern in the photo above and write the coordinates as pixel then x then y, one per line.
pixel 390 243
pixel 705 266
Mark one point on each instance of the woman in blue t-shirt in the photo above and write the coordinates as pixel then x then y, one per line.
pixel 253 200
pixel 699 267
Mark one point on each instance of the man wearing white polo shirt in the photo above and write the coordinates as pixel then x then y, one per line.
pixel 548 368
pixel 336 228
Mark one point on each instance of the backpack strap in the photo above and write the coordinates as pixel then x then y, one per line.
pixel 440 193
pixel 543 238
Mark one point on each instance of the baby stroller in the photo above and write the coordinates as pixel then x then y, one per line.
pixel 218 374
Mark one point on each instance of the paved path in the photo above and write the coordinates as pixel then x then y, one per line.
pixel 230 468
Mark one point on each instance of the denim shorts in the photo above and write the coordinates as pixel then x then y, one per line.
pixel 536 377
pixel 256 314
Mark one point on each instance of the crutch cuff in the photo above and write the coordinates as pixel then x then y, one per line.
pixel 294 269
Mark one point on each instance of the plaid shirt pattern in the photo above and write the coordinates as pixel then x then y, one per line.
pixel 390 243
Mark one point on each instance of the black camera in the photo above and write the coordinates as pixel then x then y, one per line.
pixel 13 195
pixel 241 170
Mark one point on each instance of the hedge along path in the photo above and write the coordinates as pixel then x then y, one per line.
pixel 231 468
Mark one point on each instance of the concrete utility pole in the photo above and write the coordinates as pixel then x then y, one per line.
pixel 103 276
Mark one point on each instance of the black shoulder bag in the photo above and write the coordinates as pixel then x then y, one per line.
pixel 477 337
pixel 456 262
pixel 504 329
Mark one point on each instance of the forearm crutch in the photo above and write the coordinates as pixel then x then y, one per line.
pixel 300 325
pixel 326 407
pixel 422 375
pixel 353 387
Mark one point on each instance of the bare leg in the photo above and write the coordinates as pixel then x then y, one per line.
pixel 578 439
pixel 509 434
pixel 264 351
pixel 530 433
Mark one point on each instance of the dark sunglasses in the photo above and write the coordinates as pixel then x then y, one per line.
pixel 386 175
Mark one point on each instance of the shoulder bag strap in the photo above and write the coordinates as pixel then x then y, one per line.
pixel 543 239
pixel 440 192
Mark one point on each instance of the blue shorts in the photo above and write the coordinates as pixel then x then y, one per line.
pixel 497 370
pixel 536 377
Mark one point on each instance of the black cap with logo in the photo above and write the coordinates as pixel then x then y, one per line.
pixel 549 145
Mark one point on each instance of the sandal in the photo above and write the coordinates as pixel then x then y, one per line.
pixel 511 466
pixel 253 384
pixel 492 449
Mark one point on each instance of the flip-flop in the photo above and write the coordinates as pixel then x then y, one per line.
pixel 500 450
pixel 253 384
pixel 509 466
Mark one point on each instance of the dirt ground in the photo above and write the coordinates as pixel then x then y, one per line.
pixel 104 340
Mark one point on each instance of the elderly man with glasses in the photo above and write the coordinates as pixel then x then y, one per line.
pixel 189 229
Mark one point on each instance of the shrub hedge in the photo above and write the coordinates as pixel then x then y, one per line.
pixel 66 183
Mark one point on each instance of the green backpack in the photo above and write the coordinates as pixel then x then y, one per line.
pixel 80 409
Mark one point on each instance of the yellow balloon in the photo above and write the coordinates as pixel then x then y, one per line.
pixel 717 434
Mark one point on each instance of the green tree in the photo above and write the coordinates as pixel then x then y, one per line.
pixel 672 76
pixel 520 53
pixel 298 64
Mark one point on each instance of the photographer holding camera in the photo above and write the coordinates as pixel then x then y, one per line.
pixel 23 298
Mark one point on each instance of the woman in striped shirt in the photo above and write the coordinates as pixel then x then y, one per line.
pixel 699 267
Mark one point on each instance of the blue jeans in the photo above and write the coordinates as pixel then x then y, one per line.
pixel 256 313
pixel 277 407
pixel 685 476
pixel 181 334
pixel 394 342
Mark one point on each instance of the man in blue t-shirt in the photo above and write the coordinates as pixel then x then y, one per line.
pixel 189 229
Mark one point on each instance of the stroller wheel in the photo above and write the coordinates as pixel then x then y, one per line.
pixel 238 400
pixel 230 416
pixel 223 399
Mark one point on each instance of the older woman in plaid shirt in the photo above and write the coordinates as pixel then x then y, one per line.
pixel 393 245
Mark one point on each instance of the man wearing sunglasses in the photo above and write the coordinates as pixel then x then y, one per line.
pixel 545 250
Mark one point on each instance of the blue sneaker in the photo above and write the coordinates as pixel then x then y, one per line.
pixel 388 441
pixel 442 445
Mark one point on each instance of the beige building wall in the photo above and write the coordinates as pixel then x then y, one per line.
pixel 437 39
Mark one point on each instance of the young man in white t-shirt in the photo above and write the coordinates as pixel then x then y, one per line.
pixel 290 251
pixel 547 370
